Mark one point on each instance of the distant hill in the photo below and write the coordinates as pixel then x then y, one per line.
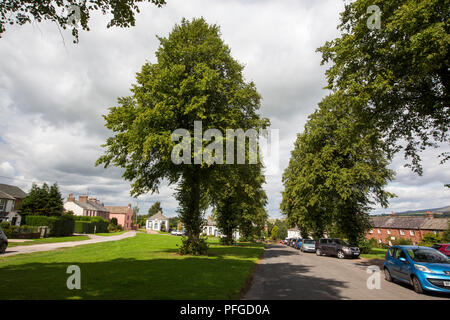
pixel 438 212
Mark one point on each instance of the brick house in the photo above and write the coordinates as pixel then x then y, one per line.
pixel 123 214
pixel 85 206
pixel 389 228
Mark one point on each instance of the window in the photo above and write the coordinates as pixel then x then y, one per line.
pixel 380 241
pixel 411 232
pixel 379 231
pixel 371 231
pixel 2 204
pixel 399 253
pixel 390 242
pixel 402 233
pixel 389 232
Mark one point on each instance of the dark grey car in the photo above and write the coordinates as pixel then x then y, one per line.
pixel 336 247
pixel 3 241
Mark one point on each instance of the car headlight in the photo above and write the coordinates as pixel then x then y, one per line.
pixel 422 268
pixel 346 248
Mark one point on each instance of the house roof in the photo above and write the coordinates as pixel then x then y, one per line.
pixel 211 222
pixel 390 222
pixel 158 216
pixel 13 191
pixel 294 229
pixel 4 195
pixel 90 205
pixel 436 224
pixel 118 209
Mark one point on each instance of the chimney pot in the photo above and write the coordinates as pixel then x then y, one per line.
pixel 70 198
pixel 429 215
pixel 393 213
pixel 83 199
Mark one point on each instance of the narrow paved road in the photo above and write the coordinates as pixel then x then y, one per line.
pixel 52 246
pixel 286 273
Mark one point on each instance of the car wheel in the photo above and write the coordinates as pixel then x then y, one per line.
pixel 387 275
pixel 340 254
pixel 417 286
pixel 318 252
pixel 3 248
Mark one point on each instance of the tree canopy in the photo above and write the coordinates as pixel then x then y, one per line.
pixel 195 79
pixel 69 13
pixel 401 70
pixel 338 168
pixel 43 201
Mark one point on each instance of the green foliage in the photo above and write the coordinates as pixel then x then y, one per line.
pixel 196 247
pixel 91 225
pixel 30 11
pixel 274 233
pixel 399 72
pixel 43 201
pixel 365 246
pixel 430 238
pixel 114 221
pixel 22 232
pixel 59 226
pixel 402 242
pixel 194 79
pixel 114 227
pixel 337 170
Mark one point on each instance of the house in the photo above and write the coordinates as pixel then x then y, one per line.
pixel 386 229
pixel 157 222
pixel 294 233
pixel 123 214
pixel 86 207
pixel 210 229
pixel 10 201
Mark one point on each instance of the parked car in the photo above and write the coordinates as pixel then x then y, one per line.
pixel 442 247
pixel 293 242
pixel 423 267
pixel 336 247
pixel 286 241
pixel 308 245
pixel 178 232
pixel 3 241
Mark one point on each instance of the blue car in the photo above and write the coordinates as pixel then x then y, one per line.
pixel 423 267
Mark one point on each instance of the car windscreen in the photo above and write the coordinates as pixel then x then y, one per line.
pixel 342 242
pixel 309 242
pixel 427 255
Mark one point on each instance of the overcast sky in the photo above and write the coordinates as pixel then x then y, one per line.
pixel 53 93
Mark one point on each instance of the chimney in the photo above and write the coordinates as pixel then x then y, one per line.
pixel 83 199
pixel 70 198
pixel 393 214
pixel 429 215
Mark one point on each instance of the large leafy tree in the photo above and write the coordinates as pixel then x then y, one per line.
pixel 45 201
pixel 195 78
pixel 69 13
pixel 401 69
pixel 337 170
pixel 239 199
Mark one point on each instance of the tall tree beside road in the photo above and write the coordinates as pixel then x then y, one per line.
pixel 44 201
pixel 402 71
pixel 338 168
pixel 195 79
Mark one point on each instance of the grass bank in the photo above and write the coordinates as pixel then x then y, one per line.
pixel 146 266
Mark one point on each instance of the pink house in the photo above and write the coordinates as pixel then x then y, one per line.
pixel 124 215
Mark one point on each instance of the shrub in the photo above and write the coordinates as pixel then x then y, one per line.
pixel 402 242
pixel 365 246
pixel 91 225
pixel 196 248
pixel 59 226
pixel 429 239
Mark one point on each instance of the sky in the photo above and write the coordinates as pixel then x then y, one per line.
pixel 53 94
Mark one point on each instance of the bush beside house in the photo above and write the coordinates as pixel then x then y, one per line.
pixel 58 226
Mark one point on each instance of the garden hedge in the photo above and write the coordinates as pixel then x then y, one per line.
pixel 62 226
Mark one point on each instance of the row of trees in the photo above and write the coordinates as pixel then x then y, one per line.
pixel 389 91
pixel 195 78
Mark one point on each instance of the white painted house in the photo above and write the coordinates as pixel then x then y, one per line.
pixel 211 229
pixel 294 233
pixel 86 207
pixel 10 200
pixel 157 222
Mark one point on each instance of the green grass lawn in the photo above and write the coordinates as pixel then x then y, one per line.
pixel 110 234
pixel 375 253
pixel 142 267
pixel 47 240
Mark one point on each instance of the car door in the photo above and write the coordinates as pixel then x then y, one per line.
pixel 395 263
pixel 404 267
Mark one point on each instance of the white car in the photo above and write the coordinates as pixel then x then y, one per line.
pixel 178 233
